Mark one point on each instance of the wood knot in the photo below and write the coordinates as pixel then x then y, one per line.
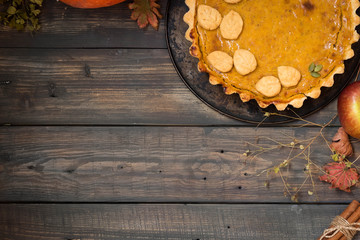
pixel 87 70
pixel 52 88
pixel 69 171
pixel 36 168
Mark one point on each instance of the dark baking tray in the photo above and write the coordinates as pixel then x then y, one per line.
pixel 231 105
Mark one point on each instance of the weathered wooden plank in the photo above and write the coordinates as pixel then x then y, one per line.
pixel 158 164
pixel 99 87
pixel 67 27
pixel 154 221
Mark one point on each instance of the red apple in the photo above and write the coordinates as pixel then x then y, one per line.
pixel 349 109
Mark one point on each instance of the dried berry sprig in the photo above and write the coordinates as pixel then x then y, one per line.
pixel 297 150
pixel 21 14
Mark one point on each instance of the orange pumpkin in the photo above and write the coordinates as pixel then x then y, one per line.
pixel 91 3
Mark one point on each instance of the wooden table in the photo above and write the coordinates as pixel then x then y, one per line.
pixel 101 139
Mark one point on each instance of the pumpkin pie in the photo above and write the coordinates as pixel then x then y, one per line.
pixel 274 51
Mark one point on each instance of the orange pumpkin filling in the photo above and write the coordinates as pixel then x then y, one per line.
pixel 278 33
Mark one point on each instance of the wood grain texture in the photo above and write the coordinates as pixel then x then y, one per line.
pixel 157 164
pixel 102 87
pixel 119 146
pixel 154 221
pixel 66 27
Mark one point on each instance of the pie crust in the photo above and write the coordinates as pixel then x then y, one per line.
pixel 286 35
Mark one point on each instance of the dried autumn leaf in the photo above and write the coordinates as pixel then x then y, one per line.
pixel 145 12
pixel 340 175
pixel 341 144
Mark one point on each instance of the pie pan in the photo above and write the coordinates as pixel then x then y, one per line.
pixel 231 105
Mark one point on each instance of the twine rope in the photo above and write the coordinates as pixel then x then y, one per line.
pixel 341 225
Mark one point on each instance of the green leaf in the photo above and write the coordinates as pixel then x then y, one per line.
pixel 20 14
pixel 19 26
pixel 315 74
pixel 11 10
pixel 311 67
pixel 20 21
pixel 32 7
pixel 35 12
pixel 30 28
pixel 23 14
pixel 38 2
pixel 318 68
pixel 34 21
